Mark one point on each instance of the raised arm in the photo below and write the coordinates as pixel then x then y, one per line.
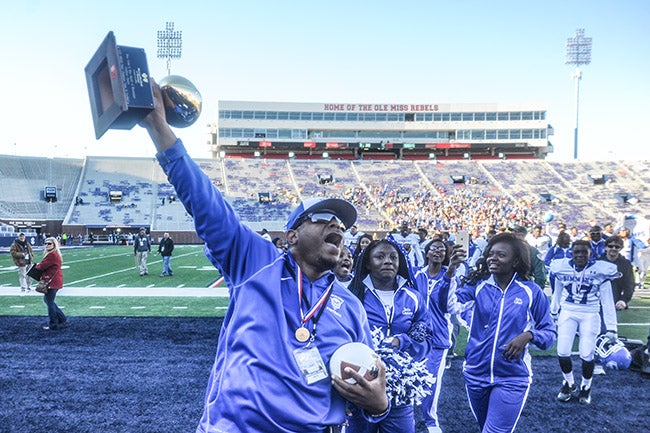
pixel 156 125
pixel 230 245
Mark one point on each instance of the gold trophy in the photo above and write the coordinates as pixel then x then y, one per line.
pixel 119 85
pixel 182 99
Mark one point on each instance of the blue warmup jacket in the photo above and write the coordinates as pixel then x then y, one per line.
pixel 440 321
pixel 408 308
pixel 498 317
pixel 597 249
pixel 556 252
pixel 254 360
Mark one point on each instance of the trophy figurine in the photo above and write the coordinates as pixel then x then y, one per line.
pixel 182 99
pixel 119 85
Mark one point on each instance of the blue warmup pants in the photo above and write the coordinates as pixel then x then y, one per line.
pixel 497 406
pixel 436 366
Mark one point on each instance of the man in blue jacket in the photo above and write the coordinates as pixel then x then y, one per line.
pixel 287 313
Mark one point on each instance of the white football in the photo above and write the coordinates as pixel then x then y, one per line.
pixel 357 356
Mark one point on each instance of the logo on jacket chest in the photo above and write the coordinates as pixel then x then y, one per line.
pixel 335 304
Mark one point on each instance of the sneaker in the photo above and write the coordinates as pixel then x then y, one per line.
pixel 567 391
pixel 599 370
pixel 585 395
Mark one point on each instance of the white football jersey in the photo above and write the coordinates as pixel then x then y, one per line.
pixel 586 289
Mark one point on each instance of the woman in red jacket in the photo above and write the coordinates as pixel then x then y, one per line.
pixel 51 267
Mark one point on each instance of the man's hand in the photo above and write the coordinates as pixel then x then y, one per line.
pixel 621 305
pixel 370 395
pixel 156 123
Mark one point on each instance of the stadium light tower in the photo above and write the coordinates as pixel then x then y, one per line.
pixel 170 44
pixel 578 52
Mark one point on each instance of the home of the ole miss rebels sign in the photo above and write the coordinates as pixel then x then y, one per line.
pixel 380 107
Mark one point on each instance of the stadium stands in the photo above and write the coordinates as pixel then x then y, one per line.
pixel 169 214
pixel 23 180
pixel 132 177
pixel 390 185
pixel 435 194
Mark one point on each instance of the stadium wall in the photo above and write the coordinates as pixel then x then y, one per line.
pixel 37 227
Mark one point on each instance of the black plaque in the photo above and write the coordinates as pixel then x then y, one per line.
pixel 119 86
pixel 35 273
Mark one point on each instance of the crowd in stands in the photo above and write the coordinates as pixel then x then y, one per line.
pixel 432 208
pixel 386 193
pixel 457 209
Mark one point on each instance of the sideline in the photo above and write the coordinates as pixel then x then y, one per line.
pixel 178 292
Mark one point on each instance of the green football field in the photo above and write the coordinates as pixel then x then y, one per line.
pixel 114 267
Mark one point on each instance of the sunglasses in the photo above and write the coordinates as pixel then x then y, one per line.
pixel 437 249
pixel 322 218
pixel 49 243
pixel 614 247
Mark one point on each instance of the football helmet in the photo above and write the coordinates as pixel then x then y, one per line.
pixel 613 355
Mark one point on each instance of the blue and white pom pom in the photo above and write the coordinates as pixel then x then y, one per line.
pixel 407 381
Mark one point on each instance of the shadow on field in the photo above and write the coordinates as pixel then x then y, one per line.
pixel 149 375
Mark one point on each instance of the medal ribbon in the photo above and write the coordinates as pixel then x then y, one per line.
pixel 304 318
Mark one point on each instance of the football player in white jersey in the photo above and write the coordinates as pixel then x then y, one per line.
pixel 581 287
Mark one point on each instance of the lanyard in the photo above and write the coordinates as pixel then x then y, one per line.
pixel 389 309
pixel 314 312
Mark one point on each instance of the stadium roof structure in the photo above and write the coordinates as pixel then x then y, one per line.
pixel 381 131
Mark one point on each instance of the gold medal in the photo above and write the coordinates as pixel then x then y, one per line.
pixel 302 334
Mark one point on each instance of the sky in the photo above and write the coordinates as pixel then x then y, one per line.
pixel 421 51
